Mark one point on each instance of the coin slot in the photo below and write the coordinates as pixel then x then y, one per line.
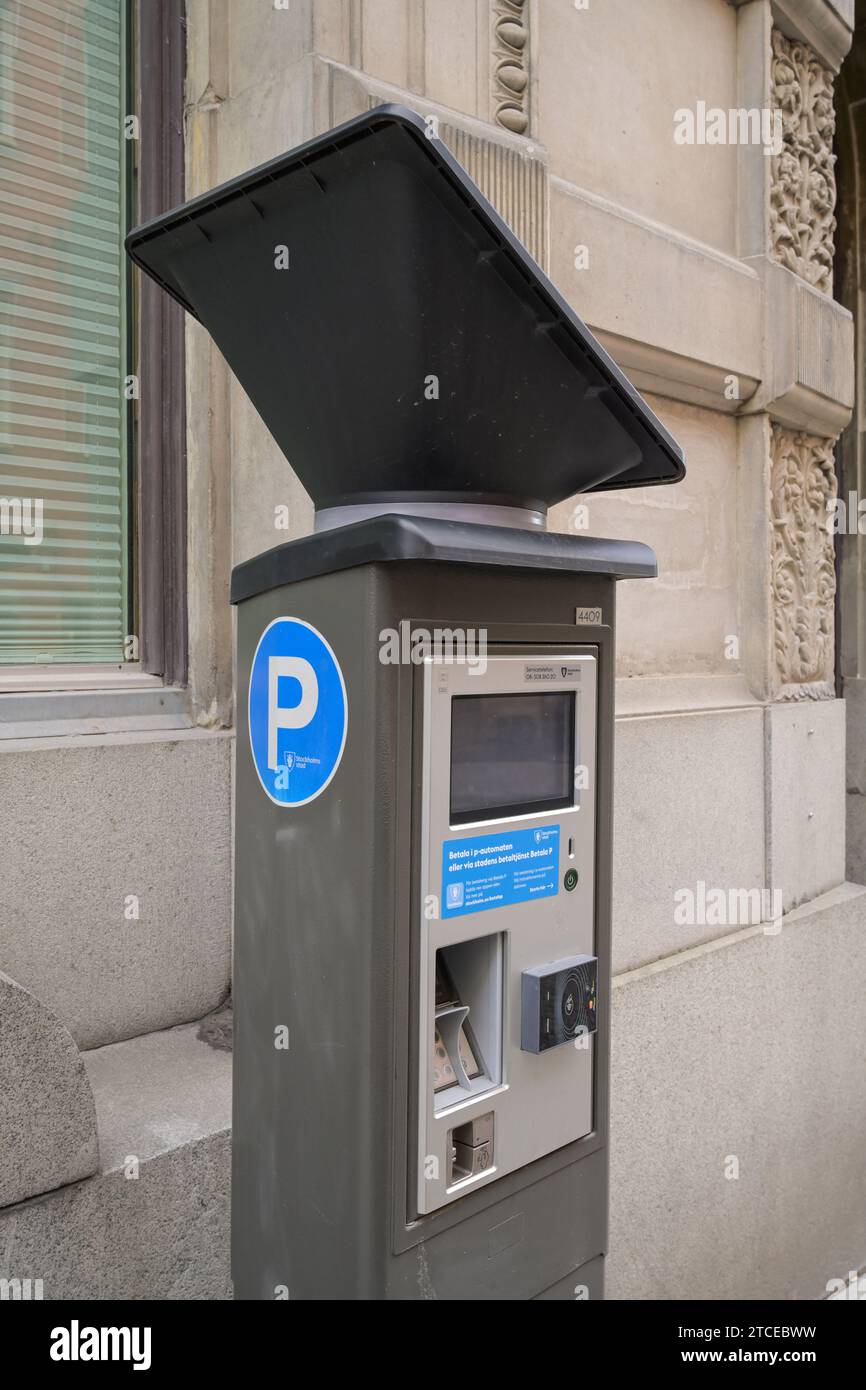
pixel 470 1149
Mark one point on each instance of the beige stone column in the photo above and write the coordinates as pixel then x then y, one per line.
pixel 208 394
pixel 787 475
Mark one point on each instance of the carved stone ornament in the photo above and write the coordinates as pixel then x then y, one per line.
pixel 803 490
pixel 803 194
pixel 511 65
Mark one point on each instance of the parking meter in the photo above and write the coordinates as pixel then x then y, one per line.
pixel 425 730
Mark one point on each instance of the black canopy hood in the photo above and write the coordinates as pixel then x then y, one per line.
pixel 412 350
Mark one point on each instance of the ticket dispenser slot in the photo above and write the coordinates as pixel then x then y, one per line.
pixel 467 1022
pixel 508 854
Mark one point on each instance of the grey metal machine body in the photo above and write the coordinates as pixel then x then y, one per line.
pixel 339 1189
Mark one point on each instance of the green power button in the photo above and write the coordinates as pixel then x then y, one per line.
pixel 570 880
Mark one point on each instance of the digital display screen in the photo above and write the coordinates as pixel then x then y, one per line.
pixel 511 755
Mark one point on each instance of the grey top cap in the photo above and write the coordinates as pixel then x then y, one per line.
pixel 396 338
pixel 424 540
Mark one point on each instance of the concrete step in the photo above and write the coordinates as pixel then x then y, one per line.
pixel 153 1221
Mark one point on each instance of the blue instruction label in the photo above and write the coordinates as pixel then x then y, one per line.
pixel 498 870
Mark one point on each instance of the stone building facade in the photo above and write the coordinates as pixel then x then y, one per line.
pixel 716 254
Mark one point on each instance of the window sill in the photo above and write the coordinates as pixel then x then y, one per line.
pixel 130 703
pixel 56 678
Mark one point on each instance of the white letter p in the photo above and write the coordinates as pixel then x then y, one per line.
pixel 297 716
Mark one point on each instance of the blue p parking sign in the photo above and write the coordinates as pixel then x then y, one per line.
pixel 298 712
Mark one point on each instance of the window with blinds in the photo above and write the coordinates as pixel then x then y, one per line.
pixel 64 495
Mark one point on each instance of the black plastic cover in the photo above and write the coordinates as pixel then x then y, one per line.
pixel 390 538
pixel 412 349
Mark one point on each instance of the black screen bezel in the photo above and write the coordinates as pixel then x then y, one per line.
pixel 480 815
